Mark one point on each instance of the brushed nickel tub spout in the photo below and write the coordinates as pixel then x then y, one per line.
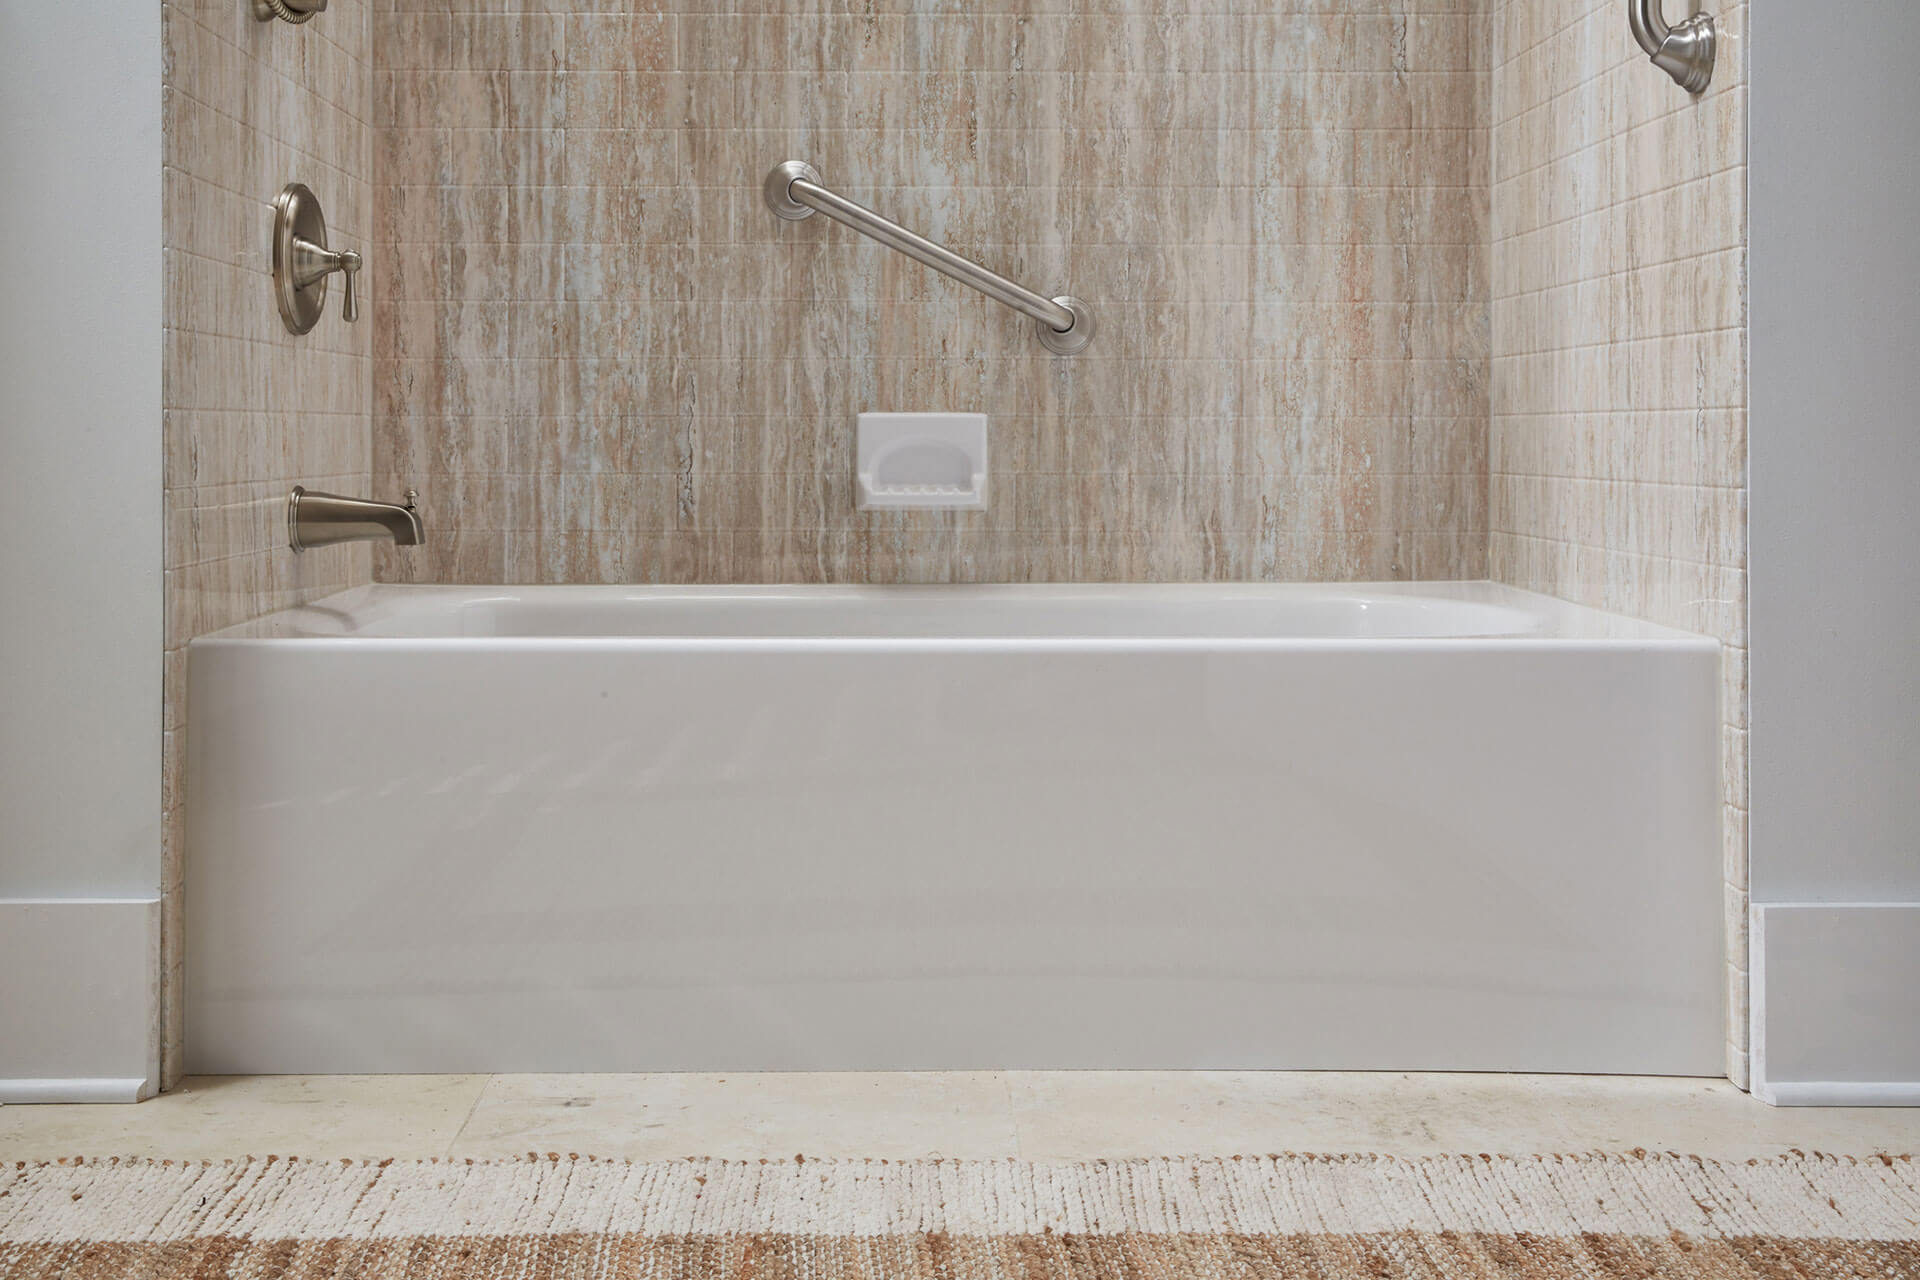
pixel 1684 51
pixel 322 519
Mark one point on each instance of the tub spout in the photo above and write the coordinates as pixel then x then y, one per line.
pixel 321 519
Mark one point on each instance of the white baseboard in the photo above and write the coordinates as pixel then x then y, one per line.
pixel 1841 1093
pixel 73 1089
pixel 79 999
pixel 1836 1004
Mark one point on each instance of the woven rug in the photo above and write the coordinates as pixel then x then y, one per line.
pixel 1365 1217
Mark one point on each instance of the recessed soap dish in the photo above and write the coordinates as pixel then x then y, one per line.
pixel 922 460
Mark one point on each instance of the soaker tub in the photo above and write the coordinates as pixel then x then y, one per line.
pixel 475 829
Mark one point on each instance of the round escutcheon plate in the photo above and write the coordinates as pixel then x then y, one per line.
pixel 297 216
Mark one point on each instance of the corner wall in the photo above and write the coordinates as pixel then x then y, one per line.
pixel 251 409
pixel 1617 454
pixel 1836 530
pixel 80 302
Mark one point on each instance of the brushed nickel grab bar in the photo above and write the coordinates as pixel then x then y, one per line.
pixel 793 191
pixel 1684 52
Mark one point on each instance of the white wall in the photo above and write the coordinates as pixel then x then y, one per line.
pixel 80 472
pixel 1835 514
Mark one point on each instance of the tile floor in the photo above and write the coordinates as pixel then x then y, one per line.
pixel 980 1115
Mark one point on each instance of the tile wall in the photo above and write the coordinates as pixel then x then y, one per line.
pixel 1619 410
pixel 601 359
pixel 250 409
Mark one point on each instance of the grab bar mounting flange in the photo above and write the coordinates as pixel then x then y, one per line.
pixel 779 189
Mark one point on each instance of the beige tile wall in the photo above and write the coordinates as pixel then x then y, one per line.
pixel 1618 448
pixel 250 409
pixel 601 359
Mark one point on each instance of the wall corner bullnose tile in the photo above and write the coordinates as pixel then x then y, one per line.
pixel 1836 1008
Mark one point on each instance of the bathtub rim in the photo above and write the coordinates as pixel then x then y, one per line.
pixel 1566 626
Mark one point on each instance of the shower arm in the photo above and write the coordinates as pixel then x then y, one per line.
pixel 1684 52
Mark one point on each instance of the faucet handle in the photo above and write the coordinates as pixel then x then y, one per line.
pixel 301 259
pixel 413 495
pixel 349 266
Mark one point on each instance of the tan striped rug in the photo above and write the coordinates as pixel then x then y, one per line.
pixel 1365 1217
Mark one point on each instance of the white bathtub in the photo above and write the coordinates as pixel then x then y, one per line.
pixel 608 828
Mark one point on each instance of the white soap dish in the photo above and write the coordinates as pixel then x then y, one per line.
pixel 923 460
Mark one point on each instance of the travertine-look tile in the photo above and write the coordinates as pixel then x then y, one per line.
pixel 602 359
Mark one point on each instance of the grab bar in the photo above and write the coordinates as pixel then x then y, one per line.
pixel 793 191
pixel 1684 52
